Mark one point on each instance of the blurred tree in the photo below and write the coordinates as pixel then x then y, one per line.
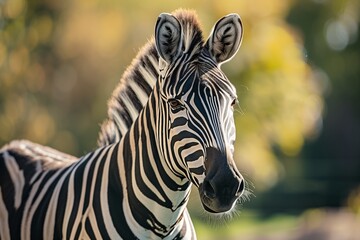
pixel 330 163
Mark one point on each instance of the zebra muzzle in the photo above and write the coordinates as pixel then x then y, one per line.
pixel 223 183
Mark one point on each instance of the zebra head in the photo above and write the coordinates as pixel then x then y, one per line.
pixel 197 101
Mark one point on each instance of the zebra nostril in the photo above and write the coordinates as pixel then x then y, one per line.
pixel 209 190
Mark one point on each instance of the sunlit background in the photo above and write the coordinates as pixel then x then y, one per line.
pixel 297 77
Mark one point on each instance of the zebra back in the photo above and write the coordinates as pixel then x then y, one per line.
pixel 136 84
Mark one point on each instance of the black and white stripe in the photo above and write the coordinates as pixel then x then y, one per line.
pixel 156 144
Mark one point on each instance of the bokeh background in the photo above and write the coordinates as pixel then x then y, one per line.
pixel 297 77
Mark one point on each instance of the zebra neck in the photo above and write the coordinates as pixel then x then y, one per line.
pixel 155 197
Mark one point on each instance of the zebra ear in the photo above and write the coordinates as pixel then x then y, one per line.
pixel 225 38
pixel 168 37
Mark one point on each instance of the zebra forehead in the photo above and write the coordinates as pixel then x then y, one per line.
pixel 211 83
pixel 215 83
pixel 218 83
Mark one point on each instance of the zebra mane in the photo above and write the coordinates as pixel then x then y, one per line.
pixel 137 82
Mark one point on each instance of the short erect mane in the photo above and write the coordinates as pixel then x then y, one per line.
pixel 136 84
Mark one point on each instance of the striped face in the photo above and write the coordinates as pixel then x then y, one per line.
pixel 196 107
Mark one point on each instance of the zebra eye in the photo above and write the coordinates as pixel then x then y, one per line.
pixel 235 101
pixel 175 104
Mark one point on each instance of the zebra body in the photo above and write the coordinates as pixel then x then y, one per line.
pixel 88 198
pixel 136 186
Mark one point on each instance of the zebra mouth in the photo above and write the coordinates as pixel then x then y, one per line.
pixel 208 209
pixel 217 204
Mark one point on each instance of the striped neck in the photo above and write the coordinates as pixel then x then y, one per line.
pixel 156 197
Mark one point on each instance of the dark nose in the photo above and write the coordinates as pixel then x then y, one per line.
pixel 223 188
pixel 223 184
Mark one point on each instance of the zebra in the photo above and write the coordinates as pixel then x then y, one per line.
pixel 138 185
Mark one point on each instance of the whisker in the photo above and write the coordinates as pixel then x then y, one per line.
pixel 239 109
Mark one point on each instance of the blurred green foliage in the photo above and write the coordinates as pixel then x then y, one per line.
pixel 326 173
pixel 60 60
